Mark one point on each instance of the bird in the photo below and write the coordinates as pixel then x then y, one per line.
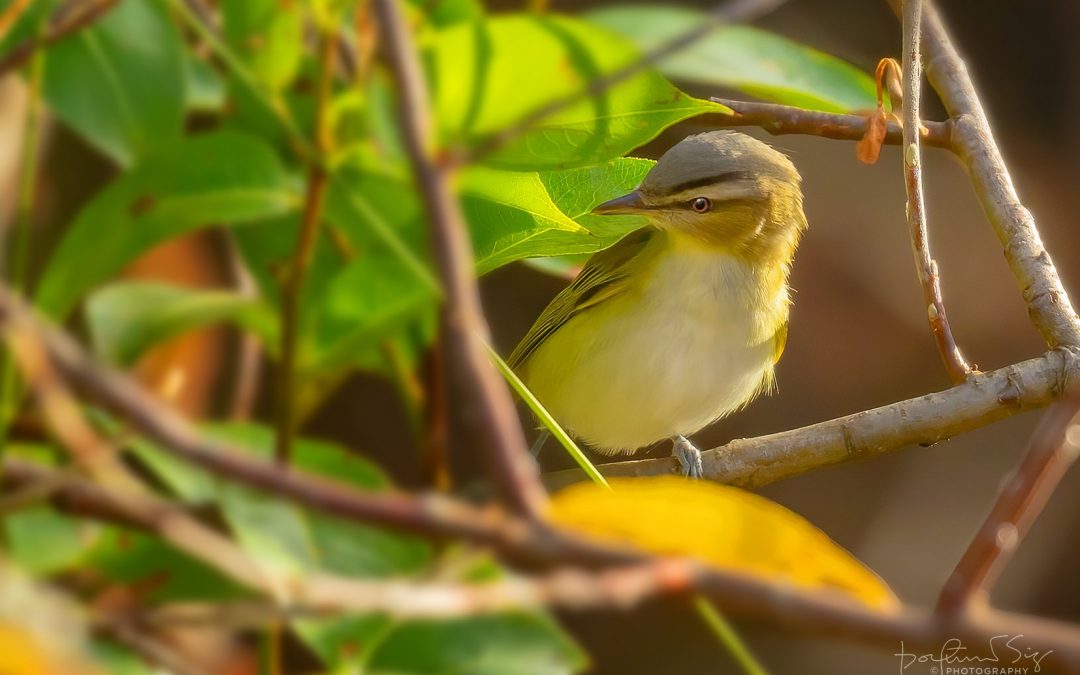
pixel 682 321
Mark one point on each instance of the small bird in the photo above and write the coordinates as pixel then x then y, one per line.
pixel 681 322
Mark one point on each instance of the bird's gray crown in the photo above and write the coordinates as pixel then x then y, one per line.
pixel 716 156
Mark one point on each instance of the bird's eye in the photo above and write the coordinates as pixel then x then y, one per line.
pixel 700 204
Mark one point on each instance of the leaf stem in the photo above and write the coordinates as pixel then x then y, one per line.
pixel 725 632
pixel 293 285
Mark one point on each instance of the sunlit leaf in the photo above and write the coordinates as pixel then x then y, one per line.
pixel 268 35
pixel 755 61
pixel 721 525
pixel 448 12
pixel 127 318
pixel 120 82
pixel 488 76
pixel 43 541
pixel 218 178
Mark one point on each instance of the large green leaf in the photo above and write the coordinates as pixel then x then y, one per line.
pixel 268 35
pixel 120 83
pixel 506 644
pixel 447 12
pixel 758 62
pixel 127 318
pixel 489 75
pixel 218 178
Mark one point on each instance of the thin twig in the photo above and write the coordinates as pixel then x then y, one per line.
pixel 1051 452
pixel 65 22
pixel 148 646
pixel 292 287
pixel 785 119
pixel 247 378
pixel 21 231
pixel 1048 304
pixel 531 542
pixel 985 398
pixel 732 11
pixel 925 265
pixel 490 422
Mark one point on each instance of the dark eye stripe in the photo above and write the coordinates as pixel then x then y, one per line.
pixel 725 177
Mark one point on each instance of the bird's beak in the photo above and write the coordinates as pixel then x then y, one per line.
pixel 630 203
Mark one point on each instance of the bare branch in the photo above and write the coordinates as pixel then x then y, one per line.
pixel 489 419
pixel 985 398
pixel 1051 452
pixel 785 119
pixel 534 543
pixel 951 356
pixel 69 19
pixel 1048 304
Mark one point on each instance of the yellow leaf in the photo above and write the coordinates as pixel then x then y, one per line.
pixel 723 526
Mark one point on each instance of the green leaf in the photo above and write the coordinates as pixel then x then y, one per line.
pixel 204 88
pixel 268 36
pixel 449 12
pixel 215 178
pixel 508 214
pixel 127 318
pixel 43 541
pixel 506 644
pixel 576 192
pixel 372 298
pixel 488 76
pixel 752 60
pixel 128 557
pixel 120 82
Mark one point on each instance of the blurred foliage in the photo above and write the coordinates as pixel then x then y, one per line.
pixel 212 130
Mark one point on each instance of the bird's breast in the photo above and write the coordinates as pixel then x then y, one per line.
pixel 692 343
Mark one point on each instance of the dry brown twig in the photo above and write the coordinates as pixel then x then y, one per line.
pixel 292 286
pixel 1052 450
pixel 482 399
pixel 67 21
pixel 530 542
pixel 925 265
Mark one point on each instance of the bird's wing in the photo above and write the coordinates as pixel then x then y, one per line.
pixel 603 277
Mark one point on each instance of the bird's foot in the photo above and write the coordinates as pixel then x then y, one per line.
pixel 689 457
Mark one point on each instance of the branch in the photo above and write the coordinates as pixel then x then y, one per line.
pixel 531 542
pixel 1051 452
pixel 292 290
pixel 780 120
pixel 925 265
pixel 1048 303
pixel 985 398
pixel 65 22
pixel 733 11
pixel 488 415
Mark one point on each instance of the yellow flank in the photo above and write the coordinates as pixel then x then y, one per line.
pixel 682 322
pixel 723 526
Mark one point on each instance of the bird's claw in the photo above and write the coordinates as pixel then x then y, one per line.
pixel 689 457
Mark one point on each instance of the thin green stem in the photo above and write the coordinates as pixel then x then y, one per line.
pixel 545 418
pixel 725 632
pixel 716 622
pixel 292 290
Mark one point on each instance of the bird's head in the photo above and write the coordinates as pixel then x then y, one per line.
pixel 724 189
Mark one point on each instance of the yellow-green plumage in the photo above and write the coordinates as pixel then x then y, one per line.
pixel 681 322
